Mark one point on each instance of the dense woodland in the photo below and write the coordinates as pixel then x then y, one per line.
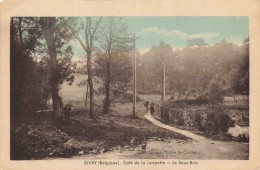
pixel 196 70
pixel 41 60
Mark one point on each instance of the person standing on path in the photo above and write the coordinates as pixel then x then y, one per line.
pixel 146 104
pixel 152 108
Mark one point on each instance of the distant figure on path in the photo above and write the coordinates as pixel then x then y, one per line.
pixel 152 108
pixel 146 104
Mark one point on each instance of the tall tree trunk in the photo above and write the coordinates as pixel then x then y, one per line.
pixel 163 84
pixel 86 101
pixel 90 31
pixel 55 99
pixel 107 98
pixel 48 28
pixel 90 83
pixel 107 88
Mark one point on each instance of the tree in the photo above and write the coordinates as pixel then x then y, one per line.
pixel 57 38
pixel 29 78
pixel 179 82
pixel 89 27
pixel 162 53
pixel 196 42
pixel 30 42
pixel 84 82
pixel 30 35
pixel 48 27
pixel 150 69
pixel 113 61
pixel 157 61
pixel 244 66
pixel 30 87
pixel 146 82
pixel 240 71
pixel 21 67
pixel 197 70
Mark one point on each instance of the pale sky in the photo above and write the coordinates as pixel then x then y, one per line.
pixel 177 30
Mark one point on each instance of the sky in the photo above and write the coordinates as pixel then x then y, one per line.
pixel 177 30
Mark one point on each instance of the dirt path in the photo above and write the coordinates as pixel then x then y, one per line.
pixel 204 148
pixel 197 148
pixel 183 132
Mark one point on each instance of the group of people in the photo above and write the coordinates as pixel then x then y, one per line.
pixel 149 106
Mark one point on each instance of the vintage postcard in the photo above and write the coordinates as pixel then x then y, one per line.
pixel 133 85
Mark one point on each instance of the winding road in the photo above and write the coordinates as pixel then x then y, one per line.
pixel 202 147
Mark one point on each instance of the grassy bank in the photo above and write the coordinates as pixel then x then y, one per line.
pixel 42 135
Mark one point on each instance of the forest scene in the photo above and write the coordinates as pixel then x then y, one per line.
pixel 129 87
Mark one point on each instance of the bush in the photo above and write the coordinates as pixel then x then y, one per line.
pixel 164 113
pixel 218 120
pixel 213 119
pixel 214 94
pixel 224 122
pixel 176 116
pixel 217 123
pixel 198 122
pixel 184 103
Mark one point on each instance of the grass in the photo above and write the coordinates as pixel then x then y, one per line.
pixel 153 97
pixel 42 135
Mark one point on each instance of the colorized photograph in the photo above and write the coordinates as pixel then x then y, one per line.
pixel 100 87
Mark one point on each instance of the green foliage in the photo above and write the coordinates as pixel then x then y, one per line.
pixel 29 79
pixel 195 72
pixel 196 42
pixel 213 119
pixel 176 116
pixel 120 73
pixel 150 68
pixel 31 75
pixel 214 93
pixel 113 65
pixel 59 49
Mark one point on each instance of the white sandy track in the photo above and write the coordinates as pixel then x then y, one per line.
pixel 183 132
